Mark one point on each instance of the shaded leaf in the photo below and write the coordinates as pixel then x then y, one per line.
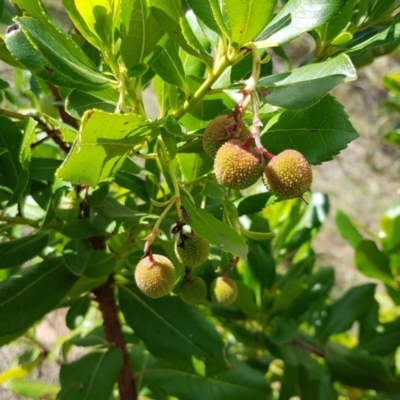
pixel 214 231
pixel 173 330
pixel 17 251
pixel 22 302
pixel 318 132
pixel 304 16
pixel 373 263
pixel 91 377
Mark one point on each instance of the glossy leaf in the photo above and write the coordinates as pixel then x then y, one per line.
pixel 247 18
pixel 390 35
pixel 383 339
pixel 167 64
pixel 36 10
pixel 102 144
pixel 390 230
pixel 92 377
pixel 184 330
pixel 17 251
pixel 241 382
pixel 80 23
pixel 79 102
pixel 76 255
pixel 214 231
pixel 33 389
pixel 97 15
pixel 373 263
pixel 305 86
pixel 347 229
pixel 140 32
pixel 304 16
pixel 325 123
pixel 23 51
pixel 77 312
pixel 204 12
pixel 345 311
pixel 21 296
pixel 358 368
pixel 58 56
pixel 169 15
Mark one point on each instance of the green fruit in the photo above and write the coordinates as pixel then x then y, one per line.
pixel 224 291
pixel 192 251
pixel 237 167
pixel 288 175
pixel 193 290
pixel 222 129
pixel 155 276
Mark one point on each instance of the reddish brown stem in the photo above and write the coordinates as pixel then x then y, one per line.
pixel 112 327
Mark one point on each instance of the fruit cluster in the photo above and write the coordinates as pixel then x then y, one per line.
pixel 155 274
pixel 237 165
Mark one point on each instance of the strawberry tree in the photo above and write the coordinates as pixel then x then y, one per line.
pixel 178 283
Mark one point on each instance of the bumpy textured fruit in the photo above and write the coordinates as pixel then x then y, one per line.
pixel 193 290
pixel 155 276
pixel 288 175
pixel 193 251
pixel 222 129
pixel 236 167
pixel 224 291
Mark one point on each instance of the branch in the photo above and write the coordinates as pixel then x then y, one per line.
pixel 112 327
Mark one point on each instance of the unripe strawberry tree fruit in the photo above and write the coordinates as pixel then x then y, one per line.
pixel 132 144
pixel 155 275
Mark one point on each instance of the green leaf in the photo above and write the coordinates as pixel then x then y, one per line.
pixel 360 369
pixel 241 382
pixel 102 144
pixel 59 57
pixel 35 9
pixel 92 377
pixel 81 25
pixel 6 56
pixel 32 389
pixel 204 12
pixel 304 16
pixel 10 144
pixel 76 255
pixel 80 229
pixel 348 309
pixel 305 86
pixel 167 64
pixel 76 75
pixel 347 229
pixel 333 29
pixel 169 15
pixel 173 330
pixel 373 263
pixel 247 18
pixel 194 165
pixel 98 18
pixel 79 102
pixel 318 132
pixel 214 231
pixel 389 232
pixel 253 204
pixel 16 252
pixel 43 169
pixel 140 32
pixel 22 302
pixel 388 36
pixel 77 312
